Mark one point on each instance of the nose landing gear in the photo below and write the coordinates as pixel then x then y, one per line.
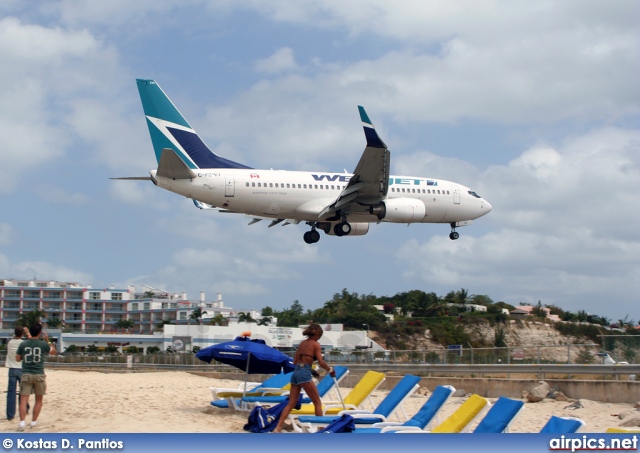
pixel 454 234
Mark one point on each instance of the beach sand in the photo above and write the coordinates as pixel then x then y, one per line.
pixel 178 402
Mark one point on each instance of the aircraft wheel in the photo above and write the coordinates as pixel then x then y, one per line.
pixel 307 237
pixel 342 229
pixel 314 236
pixel 454 235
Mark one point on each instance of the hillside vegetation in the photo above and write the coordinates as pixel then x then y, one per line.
pixel 426 321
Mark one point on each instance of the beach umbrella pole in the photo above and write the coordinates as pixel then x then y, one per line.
pixel 246 376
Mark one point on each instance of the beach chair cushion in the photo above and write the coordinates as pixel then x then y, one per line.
pixel 562 425
pixel 499 416
pixel 458 421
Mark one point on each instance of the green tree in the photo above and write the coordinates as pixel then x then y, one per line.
pixel 538 311
pixel 245 317
pixel 264 321
pixel 153 350
pixel 92 349
pixel 197 314
pixel 31 317
pixel 71 349
pixel 163 323
pixel 585 356
pixel 124 324
pixel 112 349
pixel 54 323
pixel 218 320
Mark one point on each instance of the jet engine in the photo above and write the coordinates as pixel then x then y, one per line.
pixel 399 210
pixel 357 229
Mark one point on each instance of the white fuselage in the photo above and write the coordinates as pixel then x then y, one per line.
pixel 302 195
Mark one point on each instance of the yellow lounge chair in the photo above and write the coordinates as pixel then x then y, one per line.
pixel 455 423
pixel 354 399
pixel 622 430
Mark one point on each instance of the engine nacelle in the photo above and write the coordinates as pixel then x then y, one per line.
pixel 357 229
pixel 399 210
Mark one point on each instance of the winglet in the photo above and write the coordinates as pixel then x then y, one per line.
pixel 373 140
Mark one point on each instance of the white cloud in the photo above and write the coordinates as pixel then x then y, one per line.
pixel 282 60
pixel 58 195
pixel 45 70
pixel 5 233
pixel 41 270
pixel 564 230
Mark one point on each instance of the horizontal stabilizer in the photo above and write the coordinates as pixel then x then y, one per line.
pixel 171 166
pixel 200 205
pixel 135 178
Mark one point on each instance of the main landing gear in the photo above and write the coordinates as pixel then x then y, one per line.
pixel 311 237
pixel 454 234
pixel 342 229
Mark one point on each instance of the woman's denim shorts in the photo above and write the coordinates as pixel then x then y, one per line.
pixel 301 375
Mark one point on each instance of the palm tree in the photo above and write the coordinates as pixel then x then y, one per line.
pixel 218 320
pixel 245 317
pixel 264 321
pixel 71 349
pixel 125 324
pixel 197 314
pixel 31 317
pixel 112 349
pixel 54 323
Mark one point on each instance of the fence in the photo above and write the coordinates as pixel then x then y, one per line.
pixel 560 354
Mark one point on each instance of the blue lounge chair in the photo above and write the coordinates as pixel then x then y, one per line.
pixel 276 383
pixel 422 418
pixel 500 416
pixel 393 401
pixel 325 385
pixel 562 425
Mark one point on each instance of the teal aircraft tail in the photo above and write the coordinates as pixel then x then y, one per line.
pixel 170 130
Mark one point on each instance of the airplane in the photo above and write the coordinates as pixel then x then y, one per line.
pixel 340 204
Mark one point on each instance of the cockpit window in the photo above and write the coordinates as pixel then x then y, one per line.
pixel 473 194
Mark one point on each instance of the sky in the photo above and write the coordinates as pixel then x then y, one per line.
pixel 534 105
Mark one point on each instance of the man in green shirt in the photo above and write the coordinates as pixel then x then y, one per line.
pixel 32 353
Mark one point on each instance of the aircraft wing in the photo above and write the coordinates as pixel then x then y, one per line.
pixel 370 181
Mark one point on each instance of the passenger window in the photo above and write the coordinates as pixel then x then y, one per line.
pixel 305 186
pixel 270 184
pixel 300 185
pixel 316 186
pixel 247 184
pixel 253 184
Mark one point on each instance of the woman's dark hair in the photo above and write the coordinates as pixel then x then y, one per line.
pixel 313 330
